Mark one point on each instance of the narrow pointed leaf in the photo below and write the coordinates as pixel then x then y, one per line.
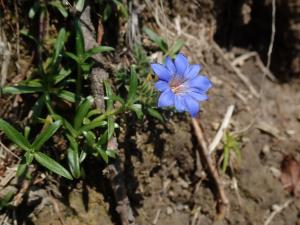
pixel 46 135
pixel 175 47
pixel 154 113
pixel 79 5
pixel 73 157
pixel 79 39
pixel 89 53
pixel 59 44
pixel 14 135
pixel 60 7
pixel 17 90
pixel 132 86
pixel 137 108
pixel 73 56
pixel 109 93
pixel 52 165
pixel 82 111
pixel 66 95
pixel 156 39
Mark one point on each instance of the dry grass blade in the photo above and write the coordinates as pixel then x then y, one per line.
pixel 222 129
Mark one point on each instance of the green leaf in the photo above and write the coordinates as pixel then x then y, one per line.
pixel 52 165
pixel 45 135
pixel 82 157
pixel 122 8
pixel 33 10
pixel 175 48
pixel 132 86
pixel 111 153
pixel 85 67
pixel 66 95
pixel 93 112
pixel 90 138
pixel 59 44
pixel 225 159
pixel 106 12
pixel 66 125
pixel 79 5
pixel 82 111
pixel 26 132
pixel 14 135
pixel 73 157
pixel 38 107
pixel 89 53
pixel 73 56
pixel 21 90
pixel 79 39
pixel 60 76
pixel 4 200
pixel 28 158
pixel 92 125
pixel 31 83
pixel 25 33
pixel 117 98
pixel 22 168
pixel 110 127
pixel 103 154
pixel 60 7
pixel 156 39
pixel 137 108
pixel 154 113
pixel 86 121
pixel 109 93
pixel 103 139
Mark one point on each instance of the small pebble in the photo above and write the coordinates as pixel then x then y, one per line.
pixel 179 207
pixel 169 210
pixel 290 132
pixel 266 149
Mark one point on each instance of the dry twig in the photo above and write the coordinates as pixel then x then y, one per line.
pixel 9 151
pixel 210 168
pixel 5 54
pixel 277 209
pixel 240 75
pixel 156 217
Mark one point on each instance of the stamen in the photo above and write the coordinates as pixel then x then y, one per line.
pixel 177 86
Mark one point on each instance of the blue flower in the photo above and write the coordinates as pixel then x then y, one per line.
pixel 181 85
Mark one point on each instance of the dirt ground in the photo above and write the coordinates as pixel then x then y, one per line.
pixel 164 181
pixel 160 170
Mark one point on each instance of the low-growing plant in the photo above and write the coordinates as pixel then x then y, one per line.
pixel 162 44
pixel 231 146
pixel 33 149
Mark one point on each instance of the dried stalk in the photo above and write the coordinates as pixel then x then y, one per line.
pixel 211 170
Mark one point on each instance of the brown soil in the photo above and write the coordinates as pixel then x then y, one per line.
pixel 160 166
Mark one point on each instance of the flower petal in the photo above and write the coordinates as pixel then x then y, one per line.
pixel 200 82
pixel 179 103
pixel 161 71
pixel 192 71
pixel 181 64
pixel 191 105
pixel 161 85
pixel 198 96
pixel 170 65
pixel 166 99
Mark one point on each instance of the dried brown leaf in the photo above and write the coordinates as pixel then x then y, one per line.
pixel 290 174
